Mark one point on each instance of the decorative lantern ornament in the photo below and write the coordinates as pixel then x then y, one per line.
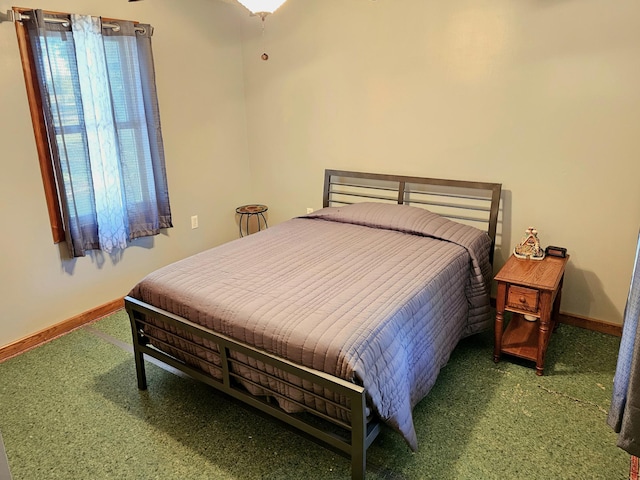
pixel 262 8
pixel 529 247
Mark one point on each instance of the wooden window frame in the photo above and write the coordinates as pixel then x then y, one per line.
pixel 40 130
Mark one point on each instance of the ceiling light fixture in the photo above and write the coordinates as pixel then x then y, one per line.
pixel 262 8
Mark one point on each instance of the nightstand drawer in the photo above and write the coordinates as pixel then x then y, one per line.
pixel 521 298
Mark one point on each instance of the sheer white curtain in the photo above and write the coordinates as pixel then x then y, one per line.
pixel 100 126
pixel 624 414
pixel 103 123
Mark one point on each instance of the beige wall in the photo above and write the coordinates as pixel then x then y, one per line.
pixel 200 88
pixel 542 95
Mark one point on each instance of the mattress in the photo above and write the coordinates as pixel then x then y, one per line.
pixel 372 293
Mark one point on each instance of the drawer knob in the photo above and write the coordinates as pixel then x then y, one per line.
pixel 523 300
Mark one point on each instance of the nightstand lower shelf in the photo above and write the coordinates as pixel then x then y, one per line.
pixel 520 338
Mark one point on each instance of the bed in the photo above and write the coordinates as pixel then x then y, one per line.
pixel 337 321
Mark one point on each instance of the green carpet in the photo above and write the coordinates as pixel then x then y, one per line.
pixel 70 409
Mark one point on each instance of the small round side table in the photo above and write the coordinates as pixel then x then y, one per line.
pixel 248 211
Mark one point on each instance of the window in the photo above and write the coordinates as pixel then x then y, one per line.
pixel 91 89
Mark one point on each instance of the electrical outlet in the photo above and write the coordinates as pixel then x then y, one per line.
pixel 194 221
pixel 309 210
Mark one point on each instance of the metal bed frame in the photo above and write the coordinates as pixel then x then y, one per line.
pixel 467 202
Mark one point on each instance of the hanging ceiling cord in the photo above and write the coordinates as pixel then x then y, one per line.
pixel 265 55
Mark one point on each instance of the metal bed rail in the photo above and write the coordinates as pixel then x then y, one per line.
pixel 357 434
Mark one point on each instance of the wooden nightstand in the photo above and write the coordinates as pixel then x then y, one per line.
pixel 532 288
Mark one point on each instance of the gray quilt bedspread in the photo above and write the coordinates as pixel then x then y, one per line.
pixel 373 293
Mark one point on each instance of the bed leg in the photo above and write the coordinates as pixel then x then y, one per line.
pixel 358 439
pixel 140 372
pixel 138 339
pixel 358 464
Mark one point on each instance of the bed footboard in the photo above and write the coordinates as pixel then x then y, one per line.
pixel 351 438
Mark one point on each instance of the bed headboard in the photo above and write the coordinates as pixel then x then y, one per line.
pixel 472 203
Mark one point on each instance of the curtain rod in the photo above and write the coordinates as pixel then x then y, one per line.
pixel 12 16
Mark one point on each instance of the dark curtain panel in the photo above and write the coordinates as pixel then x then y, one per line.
pixel 54 54
pixel 624 415
pixel 133 83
